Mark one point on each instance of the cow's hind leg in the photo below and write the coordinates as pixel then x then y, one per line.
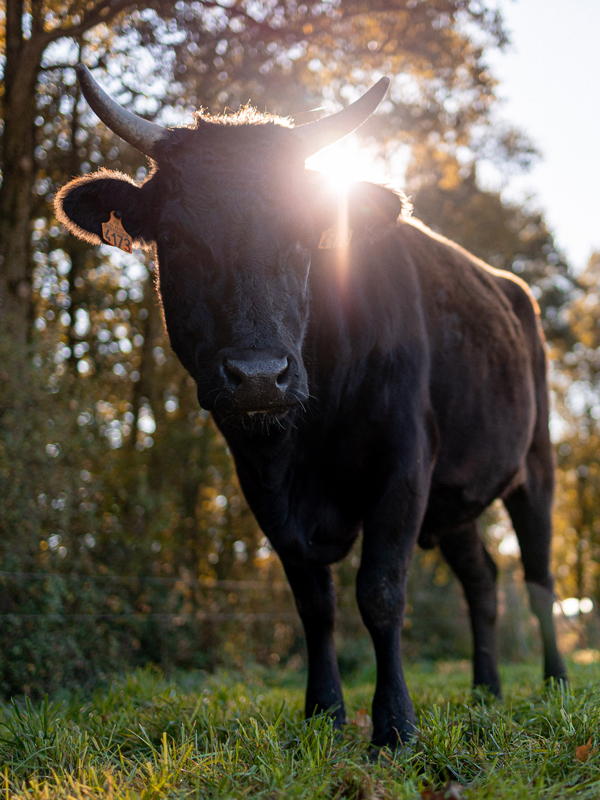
pixel 314 593
pixel 530 509
pixel 464 551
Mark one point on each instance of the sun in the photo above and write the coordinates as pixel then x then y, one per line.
pixel 346 162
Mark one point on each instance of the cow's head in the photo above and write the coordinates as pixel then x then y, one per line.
pixel 233 215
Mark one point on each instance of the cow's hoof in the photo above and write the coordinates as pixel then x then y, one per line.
pixel 487 692
pixel 559 681
pixel 339 721
pixel 392 739
pixel 336 713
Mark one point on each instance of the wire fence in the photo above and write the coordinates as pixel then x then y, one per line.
pixel 63 628
pixel 133 581
pixel 209 583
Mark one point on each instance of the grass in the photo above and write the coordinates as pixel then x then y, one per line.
pixel 242 735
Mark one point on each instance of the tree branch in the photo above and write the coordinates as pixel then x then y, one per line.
pixel 37 17
pixel 103 12
pixel 14 41
pixel 101 62
pixel 57 66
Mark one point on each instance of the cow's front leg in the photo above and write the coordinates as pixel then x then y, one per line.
pixel 389 535
pixel 315 598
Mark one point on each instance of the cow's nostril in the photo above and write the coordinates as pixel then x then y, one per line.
pixel 234 374
pixel 284 375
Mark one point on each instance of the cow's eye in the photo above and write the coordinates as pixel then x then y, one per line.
pixel 171 238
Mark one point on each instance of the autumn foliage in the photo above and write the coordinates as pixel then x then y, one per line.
pixel 124 536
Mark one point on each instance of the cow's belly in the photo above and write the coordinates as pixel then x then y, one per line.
pixel 481 456
pixel 483 463
pixel 449 506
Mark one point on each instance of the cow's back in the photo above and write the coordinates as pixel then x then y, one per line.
pixel 487 374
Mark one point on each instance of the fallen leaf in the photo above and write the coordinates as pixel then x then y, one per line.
pixel 584 751
pixel 362 720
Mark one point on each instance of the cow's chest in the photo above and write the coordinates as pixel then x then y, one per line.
pixel 309 501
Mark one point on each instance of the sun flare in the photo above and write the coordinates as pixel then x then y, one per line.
pixel 346 162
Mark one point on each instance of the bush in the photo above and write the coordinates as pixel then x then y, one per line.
pixel 115 555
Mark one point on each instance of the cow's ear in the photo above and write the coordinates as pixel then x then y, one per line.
pixel 367 205
pixel 371 205
pixel 85 203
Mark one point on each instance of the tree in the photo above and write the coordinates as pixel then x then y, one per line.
pixel 576 382
pixel 132 463
pixel 224 51
pixel 29 31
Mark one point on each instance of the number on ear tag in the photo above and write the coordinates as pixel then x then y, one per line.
pixel 335 237
pixel 114 233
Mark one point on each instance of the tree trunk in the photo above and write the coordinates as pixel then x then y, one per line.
pixel 145 387
pixel 22 65
pixel 73 247
pixel 17 150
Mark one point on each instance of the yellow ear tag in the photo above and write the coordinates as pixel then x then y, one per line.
pixel 114 233
pixel 335 237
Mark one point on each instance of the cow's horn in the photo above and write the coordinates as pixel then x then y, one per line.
pixel 323 132
pixel 141 133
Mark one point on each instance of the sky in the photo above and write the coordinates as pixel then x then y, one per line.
pixel 550 85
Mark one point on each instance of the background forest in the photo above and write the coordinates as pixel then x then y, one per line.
pixel 124 538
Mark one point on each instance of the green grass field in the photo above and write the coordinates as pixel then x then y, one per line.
pixel 242 735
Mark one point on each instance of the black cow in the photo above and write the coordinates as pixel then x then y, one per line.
pixel 366 373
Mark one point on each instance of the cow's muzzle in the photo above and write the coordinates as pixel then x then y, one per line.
pixel 261 382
